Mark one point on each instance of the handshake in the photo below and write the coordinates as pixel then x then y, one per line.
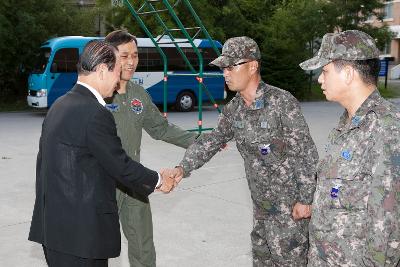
pixel 170 178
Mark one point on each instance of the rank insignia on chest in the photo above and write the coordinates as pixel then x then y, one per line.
pixel 112 107
pixel 259 103
pixel 265 149
pixel 238 124
pixel 136 106
pixel 327 147
pixel 264 125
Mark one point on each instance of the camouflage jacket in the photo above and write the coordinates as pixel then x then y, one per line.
pixel 134 111
pixel 274 141
pixel 356 210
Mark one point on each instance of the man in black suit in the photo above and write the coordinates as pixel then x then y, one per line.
pixel 80 160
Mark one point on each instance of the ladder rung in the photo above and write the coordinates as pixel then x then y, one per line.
pixel 179 29
pixel 173 42
pixel 152 12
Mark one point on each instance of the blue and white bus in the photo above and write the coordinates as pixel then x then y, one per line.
pixel 55 72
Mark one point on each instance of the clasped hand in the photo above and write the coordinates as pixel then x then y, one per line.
pixel 170 179
pixel 301 211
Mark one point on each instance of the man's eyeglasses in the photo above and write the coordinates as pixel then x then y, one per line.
pixel 231 67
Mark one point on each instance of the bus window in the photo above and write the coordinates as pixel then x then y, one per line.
pixel 208 56
pixel 150 59
pixel 142 66
pixel 65 60
pixel 41 60
pixel 191 55
pixel 175 61
pixel 154 61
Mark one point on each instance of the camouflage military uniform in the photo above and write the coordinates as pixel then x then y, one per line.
pixel 134 111
pixel 279 157
pixel 356 212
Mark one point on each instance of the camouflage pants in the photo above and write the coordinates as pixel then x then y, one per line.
pixel 276 243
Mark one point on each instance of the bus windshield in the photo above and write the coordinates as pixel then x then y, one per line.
pixel 41 60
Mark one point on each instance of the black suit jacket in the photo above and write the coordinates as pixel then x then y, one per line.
pixel 79 161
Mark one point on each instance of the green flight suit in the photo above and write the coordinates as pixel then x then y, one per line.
pixel 134 111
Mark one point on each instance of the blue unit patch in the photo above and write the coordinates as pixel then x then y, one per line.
pixel 346 154
pixel 112 107
pixel 259 103
pixel 335 192
pixel 264 149
pixel 356 121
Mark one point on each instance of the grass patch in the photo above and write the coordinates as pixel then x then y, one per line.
pixel 392 90
pixel 15 104
pixel 311 94
pixel 315 94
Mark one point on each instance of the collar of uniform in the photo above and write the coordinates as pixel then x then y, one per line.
pixel 367 106
pixel 259 101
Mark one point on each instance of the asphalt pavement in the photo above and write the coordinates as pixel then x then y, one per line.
pixel 206 221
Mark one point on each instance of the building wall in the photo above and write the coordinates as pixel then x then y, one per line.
pixel 393 21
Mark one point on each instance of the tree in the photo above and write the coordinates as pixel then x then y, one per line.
pixel 341 15
pixel 296 28
pixel 24 26
pixel 287 31
pixel 291 37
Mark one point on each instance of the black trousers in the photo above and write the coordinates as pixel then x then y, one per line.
pixel 59 259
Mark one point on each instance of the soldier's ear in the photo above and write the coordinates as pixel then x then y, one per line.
pixel 254 66
pixel 349 74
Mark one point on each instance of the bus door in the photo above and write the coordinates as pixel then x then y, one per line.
pixel 37 80
pixel 63 75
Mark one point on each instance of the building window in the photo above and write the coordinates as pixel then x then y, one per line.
pixel 388 9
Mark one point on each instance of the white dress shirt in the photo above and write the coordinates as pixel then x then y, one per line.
pixel 94 91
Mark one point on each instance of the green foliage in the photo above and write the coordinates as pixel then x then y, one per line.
pixel 291 37
pixel 341 15
pixel 24 25
pixel 287 31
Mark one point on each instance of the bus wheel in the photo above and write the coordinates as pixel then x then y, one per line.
pixel 185 101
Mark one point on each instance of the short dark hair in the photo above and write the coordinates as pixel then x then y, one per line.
pixel 96 52
pixel 259 66
pixel 119 37
pixel 368 69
